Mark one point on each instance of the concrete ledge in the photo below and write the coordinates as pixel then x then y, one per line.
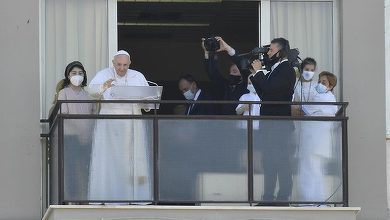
pixel 115 212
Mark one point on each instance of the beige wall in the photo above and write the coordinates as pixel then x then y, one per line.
pixel 363 66
pixel 20 148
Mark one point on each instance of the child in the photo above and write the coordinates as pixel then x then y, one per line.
pixel 243 109
pixel 77 132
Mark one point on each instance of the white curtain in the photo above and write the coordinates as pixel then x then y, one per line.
pixel 308 26
pixel 74 30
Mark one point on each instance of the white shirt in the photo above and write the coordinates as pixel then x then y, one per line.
pixel 304 91
pixel 321 110
pixel 255 109
pixel 277 64
pixel 197 94
pixel 195 98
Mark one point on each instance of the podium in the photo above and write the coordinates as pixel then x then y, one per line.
pixel 138 93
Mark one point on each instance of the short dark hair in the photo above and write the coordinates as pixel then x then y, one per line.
pixel 308 61
pixel 69 68
pixel 331 78
pixel 188 77
pixel 284 44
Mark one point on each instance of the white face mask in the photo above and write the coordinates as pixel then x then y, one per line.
pixel 189 95
pixel 307 75
pixel 76 80
pixel 251 88
pixel 321 88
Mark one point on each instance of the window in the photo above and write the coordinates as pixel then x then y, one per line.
pixel 310 26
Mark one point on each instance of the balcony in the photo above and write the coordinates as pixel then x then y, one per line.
pixel 196 160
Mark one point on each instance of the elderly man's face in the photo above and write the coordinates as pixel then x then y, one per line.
pixel 121 64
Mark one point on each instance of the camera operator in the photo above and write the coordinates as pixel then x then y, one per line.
pixel 230 88
pixel 276 84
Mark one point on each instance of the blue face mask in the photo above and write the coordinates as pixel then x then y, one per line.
pixel 189 95
pixel 321 88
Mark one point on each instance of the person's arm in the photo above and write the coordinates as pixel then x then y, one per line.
pixel 235 59
pixel 98 85
pixel 296 109
pixel 64 106
pixel 283 80
pixel 211 67
pixel 329 110
pixel 241 108
pixel 97 90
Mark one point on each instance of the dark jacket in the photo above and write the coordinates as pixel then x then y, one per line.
pixel 277 85
pixel 202 109
pixel 224 88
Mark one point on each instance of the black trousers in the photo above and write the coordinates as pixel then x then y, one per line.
pixel 277 151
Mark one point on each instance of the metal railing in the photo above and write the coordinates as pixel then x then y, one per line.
pixel 203 177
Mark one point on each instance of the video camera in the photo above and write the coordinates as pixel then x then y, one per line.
pixel 260 53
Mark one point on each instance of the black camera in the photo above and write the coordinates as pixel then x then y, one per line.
pixel 258 53
pixel 211 44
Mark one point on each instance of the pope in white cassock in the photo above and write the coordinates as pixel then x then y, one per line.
pixel 120 167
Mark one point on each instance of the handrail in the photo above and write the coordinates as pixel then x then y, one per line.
pixel 341 114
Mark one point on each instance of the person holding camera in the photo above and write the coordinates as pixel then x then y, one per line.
pixel 230 88
pixel 275 82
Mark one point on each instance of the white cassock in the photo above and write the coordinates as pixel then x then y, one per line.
pixel 315 149
pixel 120 163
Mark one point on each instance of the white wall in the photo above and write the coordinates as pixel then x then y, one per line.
pixel 363 69
pixel 20 148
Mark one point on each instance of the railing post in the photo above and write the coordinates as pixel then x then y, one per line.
pixel 250 158
pixel 155 158
pixel 344 135
pixel 60 157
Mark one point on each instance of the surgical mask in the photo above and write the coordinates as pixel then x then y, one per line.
pixel 321 88
pixel 189 95
pixel 76 80
pixel 234 80
pixel 307 75
pixel 270 61
pixel 251 88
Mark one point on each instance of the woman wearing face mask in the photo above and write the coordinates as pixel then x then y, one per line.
pixel 77 139
pixel 315 148
pixel 243 109
pixel 305 87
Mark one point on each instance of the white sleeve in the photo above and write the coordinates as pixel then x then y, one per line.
pixel 95 87
pixel 239 110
